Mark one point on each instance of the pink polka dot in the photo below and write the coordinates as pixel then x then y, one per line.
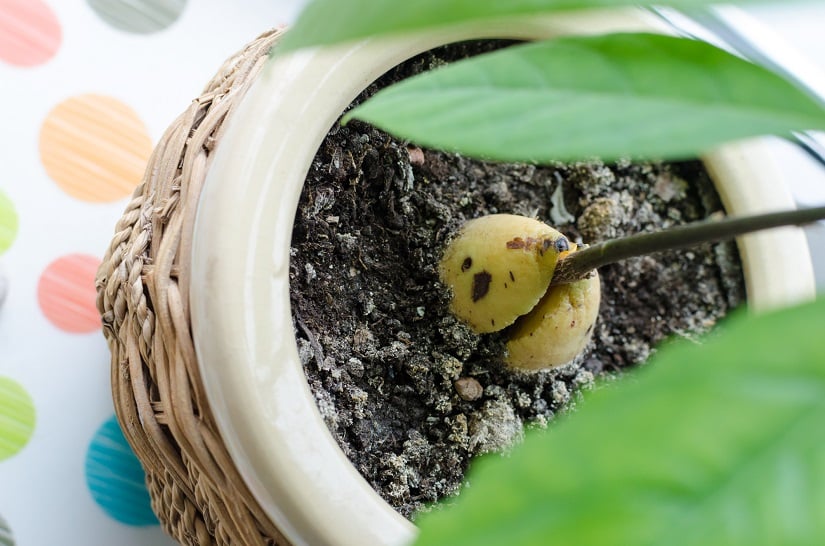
pixel 66 293
pixel 29 32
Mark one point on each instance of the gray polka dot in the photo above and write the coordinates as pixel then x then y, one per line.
pixel 4 289
pixel 5 534
pixel 138 16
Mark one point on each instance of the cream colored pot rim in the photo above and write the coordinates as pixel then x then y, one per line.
pixel 241 319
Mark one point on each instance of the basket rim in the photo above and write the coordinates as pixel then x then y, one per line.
pixel 142 285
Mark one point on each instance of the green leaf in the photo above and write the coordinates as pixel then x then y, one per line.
pixel 721 444
pixel 577 97
pixel 331 21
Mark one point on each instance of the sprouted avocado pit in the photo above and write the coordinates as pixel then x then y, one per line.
pixel 555 306
pixel 498 271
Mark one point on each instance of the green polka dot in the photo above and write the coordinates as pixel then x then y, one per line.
pixel 8 222
pixel 138 16
pixel 16 417
pixel 6 538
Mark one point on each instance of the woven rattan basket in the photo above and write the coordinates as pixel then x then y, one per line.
pixel 142 284
pixel 169 283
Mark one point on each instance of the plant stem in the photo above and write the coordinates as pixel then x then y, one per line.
pixel 578 265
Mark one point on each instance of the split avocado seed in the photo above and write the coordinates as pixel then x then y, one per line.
pixel 499 269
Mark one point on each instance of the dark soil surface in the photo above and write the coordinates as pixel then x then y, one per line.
pixel 410 394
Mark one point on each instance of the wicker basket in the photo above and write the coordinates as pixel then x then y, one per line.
pixel 142 286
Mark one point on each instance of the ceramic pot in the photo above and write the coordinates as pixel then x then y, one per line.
pixel 240 263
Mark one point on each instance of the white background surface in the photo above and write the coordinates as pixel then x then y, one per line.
pixel 43 495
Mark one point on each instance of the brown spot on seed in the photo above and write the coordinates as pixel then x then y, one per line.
pixel 516 243
pixel 481 285
pixel 467 264
pixel 512 277
pixel 468 388
pixel 530 243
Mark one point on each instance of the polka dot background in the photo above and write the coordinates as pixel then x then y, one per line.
pixel 4 285
pixel 30 33
pixel 66 293
pixel 115 478
pixel 8 222
pixel 94 147
pixel 89 86
pixel 139 16
pixel 16 418
pixel 6 538
pixel 8 232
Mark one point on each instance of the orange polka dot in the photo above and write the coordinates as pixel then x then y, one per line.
pixel 29 32
pixel 66 293
pixel 95 148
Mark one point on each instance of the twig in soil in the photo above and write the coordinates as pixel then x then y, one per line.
pixel 313 342
pixel 578 265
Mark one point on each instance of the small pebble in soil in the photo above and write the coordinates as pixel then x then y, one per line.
pixel 468 388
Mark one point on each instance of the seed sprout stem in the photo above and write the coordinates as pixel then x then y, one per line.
pixel 578 265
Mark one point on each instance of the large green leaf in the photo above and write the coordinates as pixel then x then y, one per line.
pixel 608 96
pixel 331 21
pixel 721 444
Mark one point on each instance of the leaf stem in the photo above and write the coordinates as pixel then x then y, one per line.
pixel 578 265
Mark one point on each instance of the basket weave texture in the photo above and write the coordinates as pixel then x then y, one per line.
pixel 143 297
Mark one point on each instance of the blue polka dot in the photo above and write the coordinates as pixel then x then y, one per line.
pixel 116 479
